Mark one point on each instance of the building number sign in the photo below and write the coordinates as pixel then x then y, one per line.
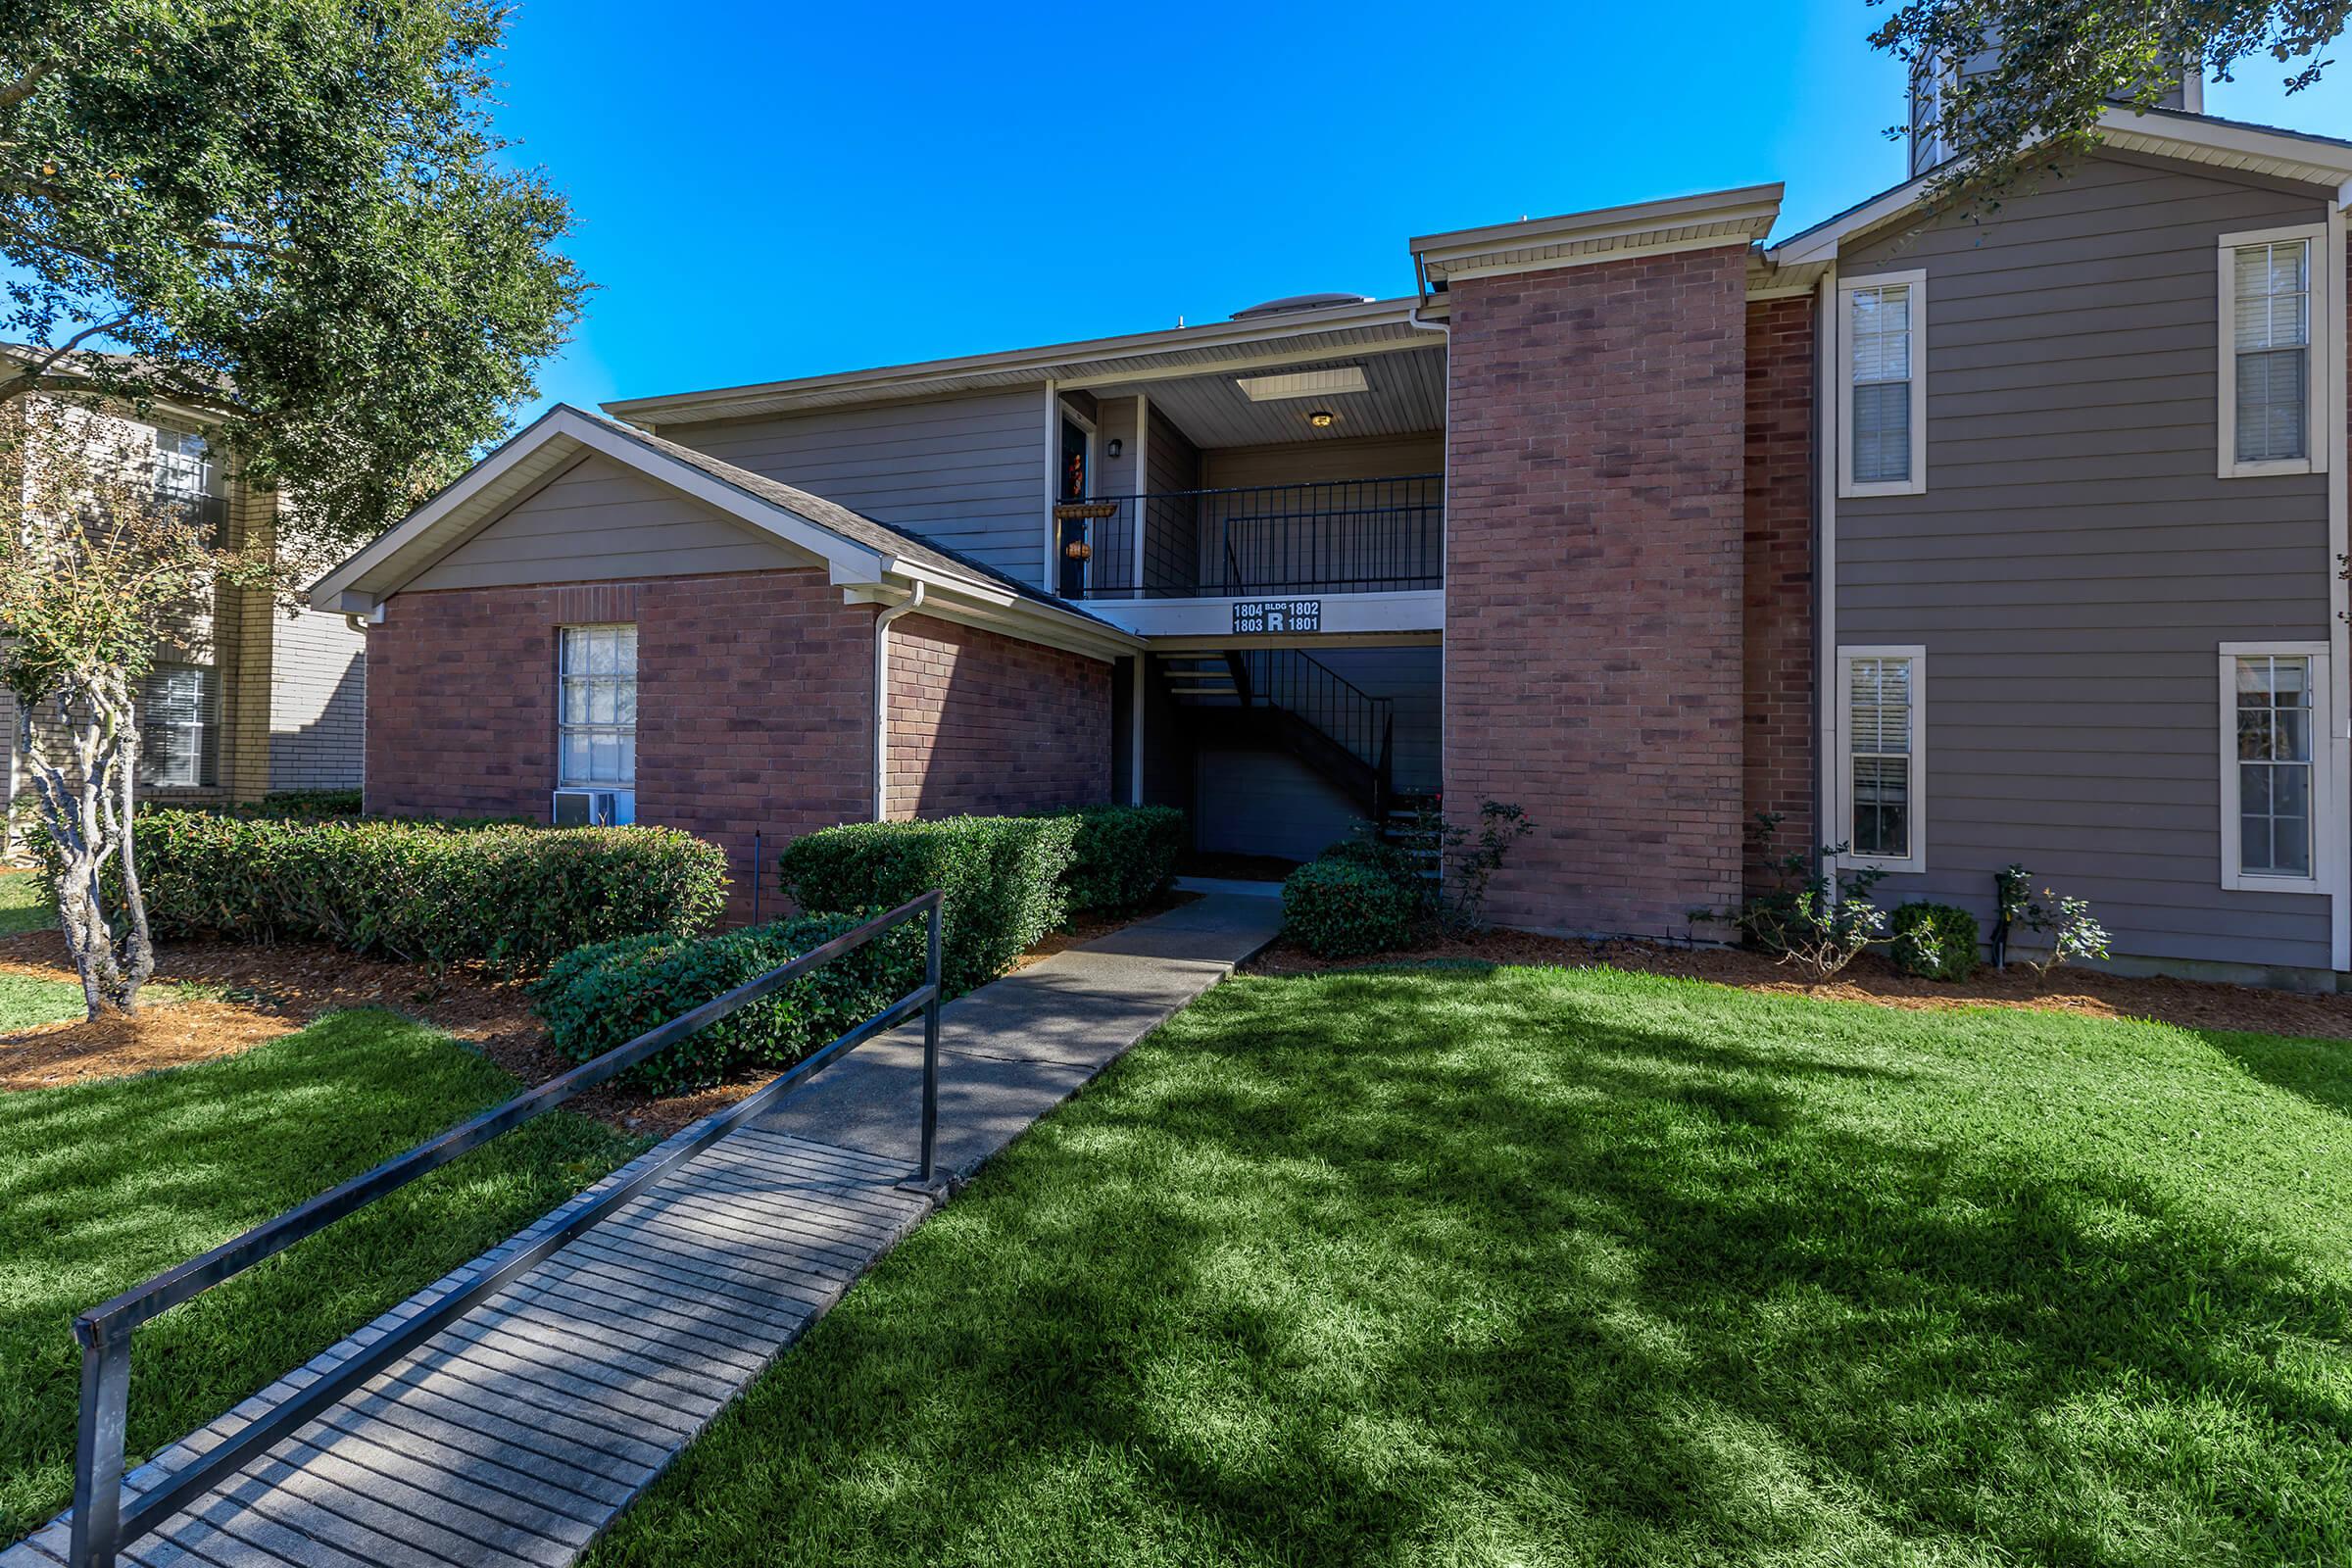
pixel 1277 614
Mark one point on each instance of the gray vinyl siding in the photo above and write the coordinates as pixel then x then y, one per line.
pixel 600 520
pixel 967 472
pixel 1172 467
pixel 2075 564
pixel 1308 462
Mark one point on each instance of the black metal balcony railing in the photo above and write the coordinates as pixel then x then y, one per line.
pixel 1333 537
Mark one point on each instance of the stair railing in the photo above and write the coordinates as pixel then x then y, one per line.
pixel 1359 724
pixel 103 1526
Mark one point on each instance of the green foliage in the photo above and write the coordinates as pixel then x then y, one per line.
pixel 1124 858
pixel 1475 1266
pixel 1934 941
pixel 1818 918
pixel 516 896
pixel 304 805
pixel 294 212
pixel 2041 71
pixel 1346 907
pixel 106 1183
pixel 1363 848
pixel 2067 924
pixel 598 997
pixel 1002 877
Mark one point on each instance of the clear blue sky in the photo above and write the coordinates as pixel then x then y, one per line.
pixel 769 191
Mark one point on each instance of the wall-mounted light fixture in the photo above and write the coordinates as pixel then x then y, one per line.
pixel 1321 419
pixel 1118 445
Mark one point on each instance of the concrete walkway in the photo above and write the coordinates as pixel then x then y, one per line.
pixel 520 1431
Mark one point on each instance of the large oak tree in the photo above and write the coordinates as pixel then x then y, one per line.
pixel 294 214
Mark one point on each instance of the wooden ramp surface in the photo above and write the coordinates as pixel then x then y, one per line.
pixel 517 1432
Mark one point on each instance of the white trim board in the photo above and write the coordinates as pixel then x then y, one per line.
pixel 2326 830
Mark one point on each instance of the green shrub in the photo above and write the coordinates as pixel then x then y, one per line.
pixel 304 805
pixel 1390 859
pixel 515 896
pixel 1002 876
pixel 1934 941
pixel 1125 857
pixel 596 998
pixel 1344 908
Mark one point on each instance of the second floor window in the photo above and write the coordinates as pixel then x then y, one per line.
pixel 2270 321
pixel 595 727
pixel 182 469
pixel 1883 442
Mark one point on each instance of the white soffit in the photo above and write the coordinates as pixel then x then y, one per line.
pixel 1339 380
pixel 1739 216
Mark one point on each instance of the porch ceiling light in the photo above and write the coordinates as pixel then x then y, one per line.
pixel 1321 419
pixel 1302 385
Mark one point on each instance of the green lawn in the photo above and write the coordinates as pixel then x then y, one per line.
pixel 24 904
pixel 103 1184
pixel 27 1000
pixel 1522 1267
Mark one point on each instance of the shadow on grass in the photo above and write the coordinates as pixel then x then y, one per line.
pixel 103 1184
pixel 1492 1266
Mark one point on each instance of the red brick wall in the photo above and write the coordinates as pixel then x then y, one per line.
pixel 1777 669
pixel 983 722
pixel 754 703
pixel 755 709
pixel 1594 563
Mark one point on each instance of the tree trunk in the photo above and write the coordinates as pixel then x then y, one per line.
pixel 85 805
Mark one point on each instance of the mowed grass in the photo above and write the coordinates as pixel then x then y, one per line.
pixel 103 1184
pixel 24 904
pixel 27 1000
pixel 1526 1266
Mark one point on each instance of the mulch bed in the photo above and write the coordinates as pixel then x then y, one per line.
pixel 251 993
pixel 2188 1003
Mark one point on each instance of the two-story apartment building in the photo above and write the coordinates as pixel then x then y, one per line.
pixel 1956 541
pixel 247 697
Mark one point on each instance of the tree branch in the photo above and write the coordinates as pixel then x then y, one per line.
pixel 17 91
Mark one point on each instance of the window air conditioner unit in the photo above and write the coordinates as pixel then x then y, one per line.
pixel 595 808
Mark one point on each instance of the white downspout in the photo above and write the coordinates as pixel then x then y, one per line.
pixel 914 601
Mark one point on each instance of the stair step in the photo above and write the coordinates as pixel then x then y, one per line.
pixel 1202 691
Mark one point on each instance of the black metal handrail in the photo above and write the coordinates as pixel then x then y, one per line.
pixel 102 1526
pixel 1323 536
pixel 1351 717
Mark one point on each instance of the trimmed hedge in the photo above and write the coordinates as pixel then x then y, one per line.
pixel 518 897
pixel 304 805
pixel 1954 956
pixel 1346 909
pixel 603 996
pixel 1125 857
pixel 1002 876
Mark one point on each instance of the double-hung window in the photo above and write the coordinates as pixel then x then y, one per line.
pixel 2272 313
pixel 1882 781
pixel 179 730
pixel 596 728
pixel 1882 385
pixel 2273 764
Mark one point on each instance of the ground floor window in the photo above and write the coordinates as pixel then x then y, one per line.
pixel 1880 695
pixel 596 731
pixel 2273 698
pixel 179 727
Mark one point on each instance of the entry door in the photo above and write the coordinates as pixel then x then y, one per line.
pixel 1072 488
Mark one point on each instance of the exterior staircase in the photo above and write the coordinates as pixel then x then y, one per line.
pixel 1288 701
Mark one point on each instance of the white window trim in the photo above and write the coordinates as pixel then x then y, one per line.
pixel 628 787
pixel 1841 786
pixel 2235 877
pixel 1917 484
pixel 2316 401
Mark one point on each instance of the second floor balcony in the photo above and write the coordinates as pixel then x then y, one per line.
pixel 1340 536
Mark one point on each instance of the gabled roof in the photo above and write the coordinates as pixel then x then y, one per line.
pixel 1682 223
pixel 857 550
pixel 2230 145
